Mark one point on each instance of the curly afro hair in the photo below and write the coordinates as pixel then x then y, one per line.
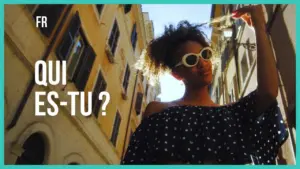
pixel 159 56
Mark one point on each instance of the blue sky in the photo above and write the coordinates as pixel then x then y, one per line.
pixel 162 15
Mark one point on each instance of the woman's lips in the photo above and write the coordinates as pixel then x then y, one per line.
pixel 205 72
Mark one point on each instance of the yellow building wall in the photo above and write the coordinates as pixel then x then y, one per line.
pixel 22 35
pixel 20 29
pixel 98 33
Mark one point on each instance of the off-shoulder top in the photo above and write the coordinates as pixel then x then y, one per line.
pixel 230 134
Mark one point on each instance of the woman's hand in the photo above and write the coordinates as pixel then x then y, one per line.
pixel 267 80
pixel 253 16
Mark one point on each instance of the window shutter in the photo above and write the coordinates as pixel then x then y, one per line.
pixel 132 33
pixel 126 78
pixel 75 24
pixel 116 127
pixel 135 40
pixel 84 68
pixel 114 36
pixel 138 103
pixel 133 36
pixel 96 102
pixel 127 8
pixel 99 87
pixel 100 8
pixel 225 57
pixel 111 37
pixel 67 42
pixel 146 91
pixel 52 12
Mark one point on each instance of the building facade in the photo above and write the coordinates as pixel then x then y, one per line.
pixel 236 74
pixel 100 44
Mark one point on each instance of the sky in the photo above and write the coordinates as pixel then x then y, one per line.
pixel 161 15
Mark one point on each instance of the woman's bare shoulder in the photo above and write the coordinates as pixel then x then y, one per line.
pixel 155 107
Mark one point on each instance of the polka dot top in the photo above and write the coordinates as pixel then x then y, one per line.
pixel 230 134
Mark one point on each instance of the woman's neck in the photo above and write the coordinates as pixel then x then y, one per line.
pixel 197 96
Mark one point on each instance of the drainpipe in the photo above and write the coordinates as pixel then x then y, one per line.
pixel 129 114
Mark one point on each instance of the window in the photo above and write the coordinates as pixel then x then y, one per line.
pixel 210 89
pixel 74 56
pixel 138 103
pixel 32 8
pixel 73 163
pixel 69 38
pixel 146 91
pixel 133 37
pixel 219 90
pixel 34 150
pixel 116 127
pixel 217 94
pixel 52 12
pixel 231 96
pixel 235 85
pixel 126 79
pixel 100 86
pixel 84 68
pixel 114 37
pixel 238 23
pixel 99 8
pixel 127 8
pixel 250 55
pixel 220 86
pixel 142 77
pixel 79 55
pixel 225 57
pixel 244 65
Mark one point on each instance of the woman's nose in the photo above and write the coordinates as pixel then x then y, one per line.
pixel 201 63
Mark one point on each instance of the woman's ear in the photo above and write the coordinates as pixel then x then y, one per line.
pixel 176 75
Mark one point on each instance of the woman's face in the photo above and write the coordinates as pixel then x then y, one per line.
pixel 198 75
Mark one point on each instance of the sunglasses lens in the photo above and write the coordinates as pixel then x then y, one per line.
pixel 191 59
pixel 206 54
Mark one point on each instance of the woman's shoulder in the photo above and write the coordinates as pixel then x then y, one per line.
pixel 156 107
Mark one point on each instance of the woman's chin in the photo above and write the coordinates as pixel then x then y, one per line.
pixel 207 78
pixel 204 81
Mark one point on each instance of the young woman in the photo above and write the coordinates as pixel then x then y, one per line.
pixel 194 129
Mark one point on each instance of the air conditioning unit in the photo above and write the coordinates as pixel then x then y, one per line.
pixel 109 54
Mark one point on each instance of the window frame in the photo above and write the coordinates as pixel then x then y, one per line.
pixel 244 62
pixel 118 38
pixel 99 16
pixel 34 8
pixel 45 32
pixel 130 9
pixel 146 90
pixel 115 131
pixel 250 54
pixel 93 89
pixel 68 59
pixel 127 78
pixel 141 102
pixel 134 34
pixel 80 74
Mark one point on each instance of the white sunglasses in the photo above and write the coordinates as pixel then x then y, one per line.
pixel 192 59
